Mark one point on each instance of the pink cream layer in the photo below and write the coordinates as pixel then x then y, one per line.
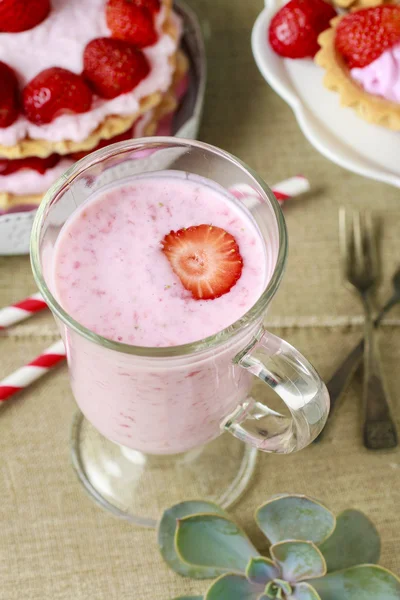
pixel 27 182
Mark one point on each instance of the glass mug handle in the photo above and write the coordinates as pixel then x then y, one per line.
pixel 294 379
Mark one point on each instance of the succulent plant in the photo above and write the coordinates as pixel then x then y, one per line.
pixel 312 555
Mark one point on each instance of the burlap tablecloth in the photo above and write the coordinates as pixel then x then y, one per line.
pixel 55 543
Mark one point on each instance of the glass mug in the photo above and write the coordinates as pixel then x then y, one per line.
pixel 153 417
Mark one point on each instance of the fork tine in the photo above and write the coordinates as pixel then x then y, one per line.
pixel 344 240
pixel 358 240
pixel 370 243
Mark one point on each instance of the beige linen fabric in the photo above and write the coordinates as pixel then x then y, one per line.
pixel 55 543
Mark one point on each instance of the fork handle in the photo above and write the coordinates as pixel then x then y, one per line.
pixel 340 379
pixel 379 428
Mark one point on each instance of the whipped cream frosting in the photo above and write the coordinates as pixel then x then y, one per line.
pixel 30 182
pixel 60 41
pixel 382 76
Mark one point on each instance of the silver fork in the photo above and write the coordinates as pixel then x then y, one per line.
pixel 360 267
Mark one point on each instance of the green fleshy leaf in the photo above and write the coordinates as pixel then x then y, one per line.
pixel 188 598
pixel 261 570
pixel 273 592
pixel 304 591
pixel 298 560
pixel 355 541
pixel 365 582
pixel 166 537
pixel 295 518
pixel 213 541
pixel 284 586
pixel 278 589
pixel 234 587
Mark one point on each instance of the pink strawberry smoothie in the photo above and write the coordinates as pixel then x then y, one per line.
pixel 110 275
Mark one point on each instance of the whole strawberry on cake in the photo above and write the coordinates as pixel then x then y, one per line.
pixel 76 76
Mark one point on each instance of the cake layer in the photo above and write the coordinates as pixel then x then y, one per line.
pixel 60 41
pixel 26 187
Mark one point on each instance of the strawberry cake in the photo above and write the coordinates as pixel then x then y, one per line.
pixel 76 76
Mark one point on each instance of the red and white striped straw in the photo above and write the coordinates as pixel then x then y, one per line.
pixel 284 190
pixel 290 188
pixel 33 371
pixel 10 315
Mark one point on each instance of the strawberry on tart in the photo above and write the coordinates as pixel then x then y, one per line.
pixel 294 29
pixel 76 76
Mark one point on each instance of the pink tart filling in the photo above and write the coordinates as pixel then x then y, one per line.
pixel 382 76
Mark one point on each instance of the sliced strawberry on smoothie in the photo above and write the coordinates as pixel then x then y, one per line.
pixel 362 36
pixel 131 22
pixel 294 30
pixel 113 67
pixel 206 259
pixel 9 96
pixel 54 92
pixel 20 15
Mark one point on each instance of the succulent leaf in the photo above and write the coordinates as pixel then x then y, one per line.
pixel 213 541
pixel 364 582
pixel 355 541
pixel 273 592
pixel 304 591
pixel 234 587
pixel 278 589
pixel 284 586
pixel 261 570
pixel 166 537
pixel 295 518
pixel 298 560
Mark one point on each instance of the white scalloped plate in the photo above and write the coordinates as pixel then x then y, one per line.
pixel 337 132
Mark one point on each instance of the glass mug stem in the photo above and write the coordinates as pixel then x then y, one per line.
pixel 289 374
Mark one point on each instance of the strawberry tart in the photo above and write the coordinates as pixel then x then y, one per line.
pixel 360 53
pixel 76 76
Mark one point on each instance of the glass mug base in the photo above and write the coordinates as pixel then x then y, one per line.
pixel 138 487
